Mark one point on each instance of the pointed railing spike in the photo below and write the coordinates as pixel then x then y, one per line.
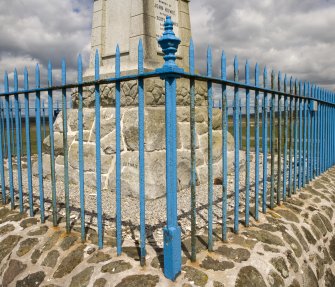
pixel 209 61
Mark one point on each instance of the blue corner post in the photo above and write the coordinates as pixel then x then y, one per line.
pixel 169 72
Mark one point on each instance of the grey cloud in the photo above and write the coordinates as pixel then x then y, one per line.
pixel 34 31
pixel 294 36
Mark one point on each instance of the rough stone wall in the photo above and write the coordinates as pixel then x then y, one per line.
pixel 154 139
pixel 154 94
pixel 154 148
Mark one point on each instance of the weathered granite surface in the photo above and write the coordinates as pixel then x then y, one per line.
pixel 292 245
pixel 154 139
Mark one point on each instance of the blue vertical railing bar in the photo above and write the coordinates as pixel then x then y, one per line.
pixel 172 232
pixel 2 109
pixel 97 148
pixel 317 129
pixel 264 140
pixel 141 158
pixel 291 126
pixel 118 153
pixel 224 119
pixel 237 148
pixel 321 131
pixel 272 140
pixel 247 174
pixel 256 143
pixel 279 141
pixel 320 134
pixel 28 142
pixel 308 110
pixel 304 157
pixel 9 148
pixel 39 144
pixel 296 110
pixel 20 116
pixel 43 120
pixel 81 149
pixel 324 138
pixel 210 150
pixel 240 123
pixel 2 167
pixel 285 140
pixel 193 155
pixel 313 139
pixel 52 147
pixel 65 150
pixel 300 137
pixel 18 141
pixel 20 128
pixel 12 127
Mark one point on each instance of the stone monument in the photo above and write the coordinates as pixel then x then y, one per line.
pixel 125 22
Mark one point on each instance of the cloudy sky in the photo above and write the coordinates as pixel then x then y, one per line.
pixel 294 36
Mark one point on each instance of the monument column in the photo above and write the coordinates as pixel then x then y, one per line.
pixel 125 22
pixel 98 28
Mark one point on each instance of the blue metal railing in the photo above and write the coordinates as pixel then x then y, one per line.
pixel 304 149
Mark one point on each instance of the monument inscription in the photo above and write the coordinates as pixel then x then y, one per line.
pixel 165 8
pixel 126 22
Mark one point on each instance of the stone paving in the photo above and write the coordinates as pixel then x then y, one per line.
pixel 292 245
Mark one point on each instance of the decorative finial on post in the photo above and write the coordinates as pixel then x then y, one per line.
pixel 172 232
pixel 169 44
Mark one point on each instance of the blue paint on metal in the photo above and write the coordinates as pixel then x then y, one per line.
pixel 291 124
pixel 272 140
pixel 2 110
pixel 313 136
pixel 98 148
pixel 308 110
pixel 81 149
pixel 2 168
pixel 285 140
pixel 237 148
pixel 52 147
pixel 256 143
pixel 43 120
pixel 65 150
pixel 300 160
pixel 247 174
pixel 304 157
pixel 210 150
pixel 39 144
pixel 18 140
pixel 193 155
pixel 9 148
pixel 264 140
pixel 12 127
pixel 141 158
pixel 224 119
pixel 279 141
pixel 172 233
pixel 295 179
pixel 118 154
pixel 28 141
pixel 20 128
pixel 240 123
